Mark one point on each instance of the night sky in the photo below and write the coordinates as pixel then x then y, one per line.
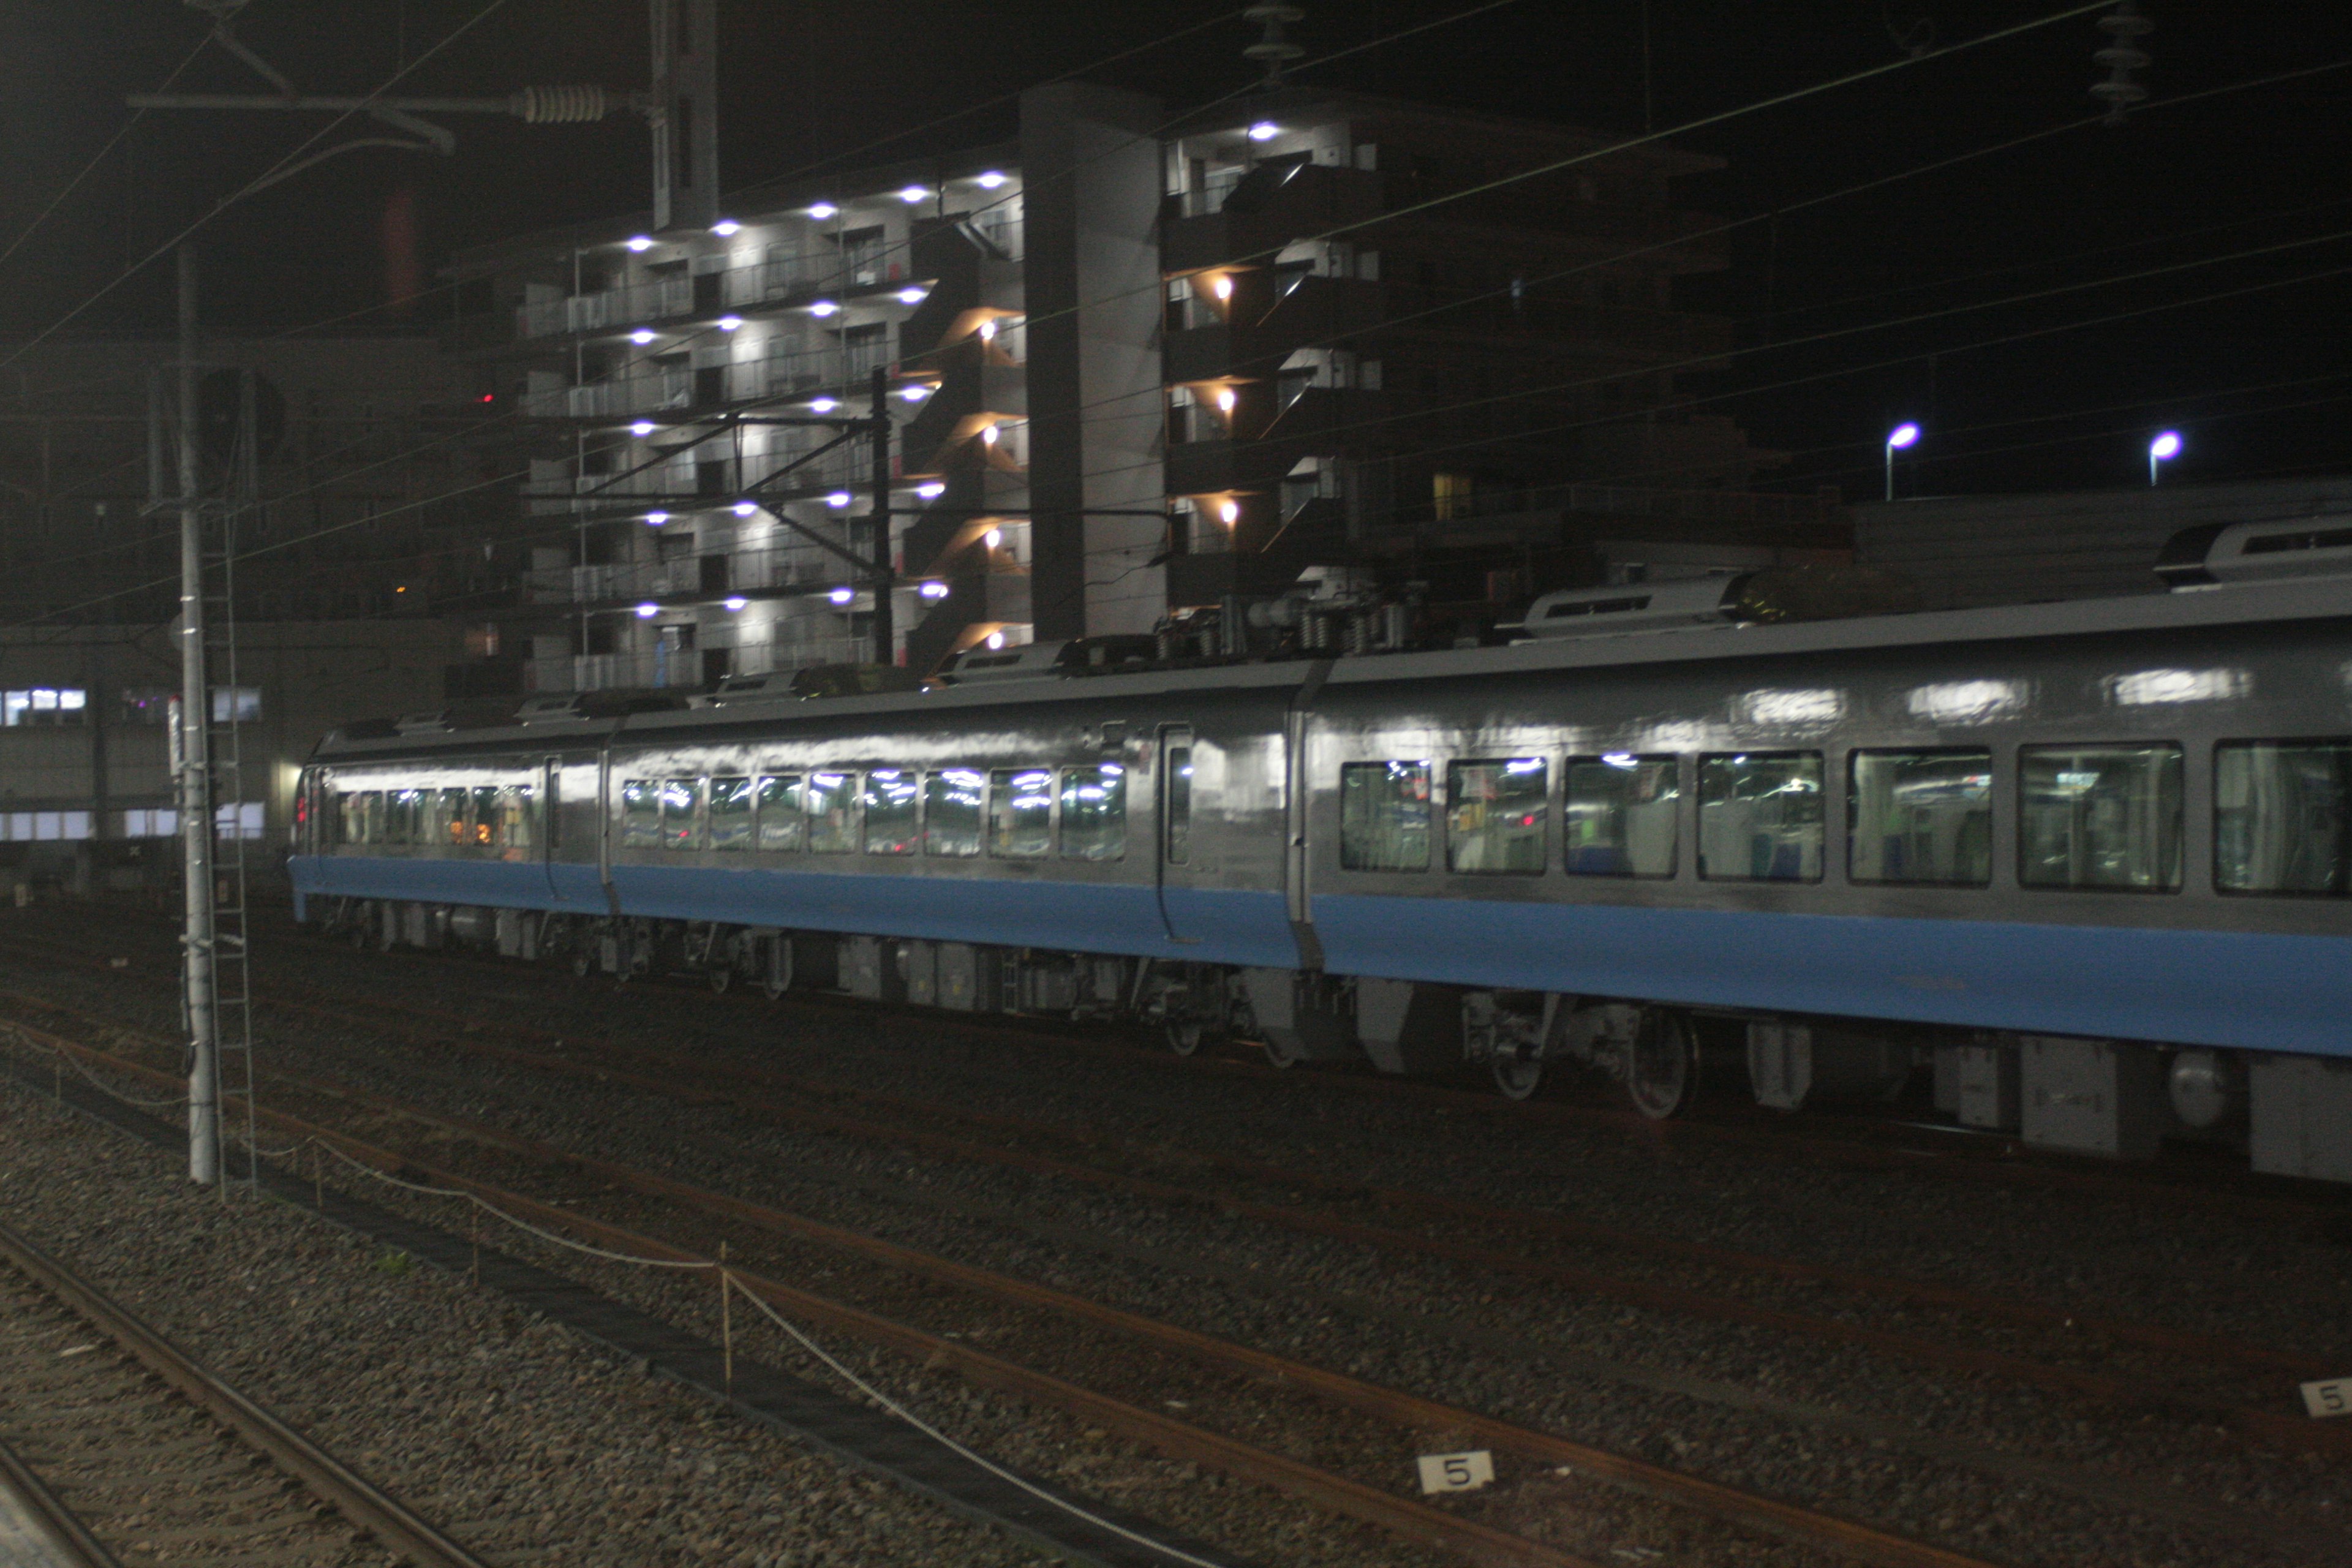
pixel 2261 383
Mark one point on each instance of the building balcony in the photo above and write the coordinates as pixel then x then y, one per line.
pixel 1271 205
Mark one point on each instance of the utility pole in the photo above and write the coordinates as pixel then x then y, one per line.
pixel 196 767
pixel 886 568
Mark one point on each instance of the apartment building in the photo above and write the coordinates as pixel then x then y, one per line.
pixel 1132 362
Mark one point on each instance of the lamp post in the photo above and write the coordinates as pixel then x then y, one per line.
pixel 2161 451
pixel 1903 436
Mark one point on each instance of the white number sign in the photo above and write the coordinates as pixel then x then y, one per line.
pixel 2333 1397
pixel 1456 1472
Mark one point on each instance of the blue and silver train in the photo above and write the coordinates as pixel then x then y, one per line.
pixel 2086 863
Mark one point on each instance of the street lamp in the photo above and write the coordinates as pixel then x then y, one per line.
pixel 2163 449
pixel 1903 436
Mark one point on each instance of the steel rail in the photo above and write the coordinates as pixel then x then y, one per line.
pixel 1411 1519
pixel 2273 1428
pixel 1407 1410
pixel 1905 1291
pixel 2291 1433
pixel 50 1510
pixel 365 1505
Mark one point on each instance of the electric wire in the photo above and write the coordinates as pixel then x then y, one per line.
pixel 284 166
pixel 99 157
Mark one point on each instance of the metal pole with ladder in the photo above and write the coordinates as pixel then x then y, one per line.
pixel 192 725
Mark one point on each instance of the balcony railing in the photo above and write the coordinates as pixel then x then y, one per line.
pixel 781 274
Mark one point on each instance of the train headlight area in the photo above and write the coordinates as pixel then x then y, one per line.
pixel 2076 871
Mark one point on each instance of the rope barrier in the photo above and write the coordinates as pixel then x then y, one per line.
pixel 729 1287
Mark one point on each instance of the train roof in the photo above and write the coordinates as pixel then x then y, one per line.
pixel 2317 598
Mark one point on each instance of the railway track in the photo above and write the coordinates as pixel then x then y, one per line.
pixel 136 1453
pixel 1814 1137
pixel 1288 1197
pixel 1248 1374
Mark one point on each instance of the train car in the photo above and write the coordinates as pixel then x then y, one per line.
pixel 2085 863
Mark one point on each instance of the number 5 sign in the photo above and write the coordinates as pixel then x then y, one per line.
pixel 1456 1472
pixel 2333 1397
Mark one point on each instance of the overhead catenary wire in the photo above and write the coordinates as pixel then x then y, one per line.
pixel 266 177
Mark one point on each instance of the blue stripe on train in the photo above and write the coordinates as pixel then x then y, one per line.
pixel 2190 987
pixel 1237 928
pixel 2217 988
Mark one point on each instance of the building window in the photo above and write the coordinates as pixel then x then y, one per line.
pixel 232 819
pixel 144 821
pixel 145 706
pixel 28 826
pixel 237 704
pixel 43 706
pixel 1449 496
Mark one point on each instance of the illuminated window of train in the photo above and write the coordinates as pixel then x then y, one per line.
pixel 830 801
pixel 1495 815
pixel 1094 812
pixel 951 811
pixel 1020 813
pixel 2099 816
pixel 889 802
pixel 405 816
pixel 1620 817
pixel 450 817
pixel 519 816
pixel 486 815
pixel 640 815
pixel 1177 780
pixel 1759 817
pixel 346 809
pixel 1384 817
pixel 731 812
pixel 2283 817
pixel 778 804
pixel 681 828
pixel 1920 816
pixel 372 817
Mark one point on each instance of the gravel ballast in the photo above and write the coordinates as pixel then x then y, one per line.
pixel 518 1437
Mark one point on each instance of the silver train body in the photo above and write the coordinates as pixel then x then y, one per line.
pixel 2086 863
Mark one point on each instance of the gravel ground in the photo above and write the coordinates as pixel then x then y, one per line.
pixel 1949 1459
pixel 516 1437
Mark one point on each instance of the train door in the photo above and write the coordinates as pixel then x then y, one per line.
pixel 1172 853
pixel 574 851
pixel 550 794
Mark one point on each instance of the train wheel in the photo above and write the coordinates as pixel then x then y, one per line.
pixel 584 958
pixel 1185 1037
pixel 1277 1056
pixel 1662 1067
pixel 722 977
pixel 775 968
pixel 1518 1078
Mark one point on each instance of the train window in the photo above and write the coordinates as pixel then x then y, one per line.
pixel 405 816
pixel 1020 813
pixel 2283 817
pixel 1384 817
pixel 680 826
pixel 1618 816
pixel 2099 816
pixel 1495 814
pixel 1920 816
pixel 1759 817
pixel 486 813
pixel 731 812
pixel 1094 812
pixel 640 814
pixel 830 801
pixel 1177 782
pixel 346 809
pixel 450 817
pixel 778 805
pixel 889 802
pixel 372 817
pixel 518 816
pixel 952 802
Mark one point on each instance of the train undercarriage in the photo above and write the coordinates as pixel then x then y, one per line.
pixel 2290 1114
